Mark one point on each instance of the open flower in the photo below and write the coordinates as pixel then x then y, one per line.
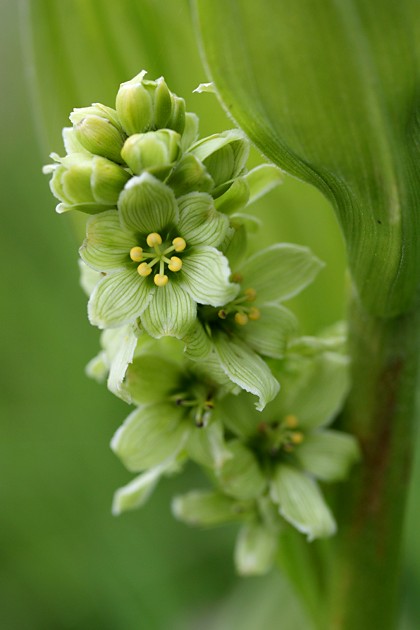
pixel 290 442
pixel 254 323
pixel 159 258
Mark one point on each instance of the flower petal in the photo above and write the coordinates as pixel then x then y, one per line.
pixel 301 502
pixel 239 415
pixel 314 389
pixel 279 272
pixel 328 455
pixel 119 345
pixel 146 205
pixel 199 221
pixel 262 179
pixel 269 334
pixel 240 476
pixel 207 447
pixel 205 275
pixel 172 312
pixel 150 435
pixel 136 493
pixel 246 369
pixel 118 299
pixel 106 246
pixel 197 343
pixel 152 378
pixel 204 508
pixel 255 549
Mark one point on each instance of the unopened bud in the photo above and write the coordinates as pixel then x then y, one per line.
pixel 98 130
pixel 151 151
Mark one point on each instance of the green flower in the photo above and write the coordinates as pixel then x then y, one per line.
pixel 99 131
pixel 254 323
pixel 159 258
pixel 154 151
pixel 290 441
pixel 85 182
pixel 175 419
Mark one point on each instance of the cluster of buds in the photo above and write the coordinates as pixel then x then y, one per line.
pixel 195 333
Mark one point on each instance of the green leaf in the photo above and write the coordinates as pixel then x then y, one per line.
pixel 147 205
pixel 199 221
pixel 269 334
pixel 328 455
pixel 246 369
pixel 329 95
pixel 171 312
pixel 255 549
pixel 150 435
pixel 107 246
pixel 118 299
pixel 279 272
pixel 205 275
pixel 301 503
pixel 262 179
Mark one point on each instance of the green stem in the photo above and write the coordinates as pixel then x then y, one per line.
pixel 381 412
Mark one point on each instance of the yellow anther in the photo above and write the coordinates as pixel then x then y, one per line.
pixel 297 437
pixel 209 404
pixel 160 279
pixel 154 239
pixel 144 270
pixel 254 313
pixel 236 277
pixel 136 254
pixel 291 422
pixel 222 314
pixel 179 244
pixel 241 319
pixel 175 264
pixel 250 294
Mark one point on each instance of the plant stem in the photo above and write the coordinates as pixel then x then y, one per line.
pixel 380 412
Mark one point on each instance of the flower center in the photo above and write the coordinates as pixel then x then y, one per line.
pixel 157 257
pixel 240 309
pixel 281 437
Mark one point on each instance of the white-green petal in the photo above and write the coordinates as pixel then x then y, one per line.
pixel 270 334
pixel 199 221
pixel 152 378
pixel 262 179
pixel 204 508
pixel 239 415
pixel 106 246
pixel 255 549
pixel 207 447
pixel 197 343
pixel 279 272
pixel 147 205
pixel 150 435
pixel 120 345
pixel 328 455
pixel 118 299
pixel 301 502
pixel 136 493
pixel 235 198
pixel 205 275
pixel 190 133
pixel 314 389
pixel 245 368
pixel 240 476
pixel 89 277
pixel 171 312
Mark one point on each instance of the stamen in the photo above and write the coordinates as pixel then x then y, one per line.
pixel 136 254
pixel 160 279
pixel 241 319
pixel 236 277
pixel 175 264
pixel 154 239
pixel 291 421
pixel 297 437
pixel 179 244
pixel 254 313
pixel 251 294
pixel 222 314
pixel 144 270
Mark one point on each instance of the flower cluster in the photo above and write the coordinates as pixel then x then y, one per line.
pixel 195 333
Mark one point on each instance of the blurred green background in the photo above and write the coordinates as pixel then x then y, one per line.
pixel 66 563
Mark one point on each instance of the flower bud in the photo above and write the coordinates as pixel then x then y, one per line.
pixel 240 476
pixel 190 175
pixel 255 550
pixel 98 130
pixel 153 151
pixel 92 183
pixel 223 154
pixel 144 105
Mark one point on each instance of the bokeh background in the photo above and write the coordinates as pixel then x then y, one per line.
pixel 65 561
